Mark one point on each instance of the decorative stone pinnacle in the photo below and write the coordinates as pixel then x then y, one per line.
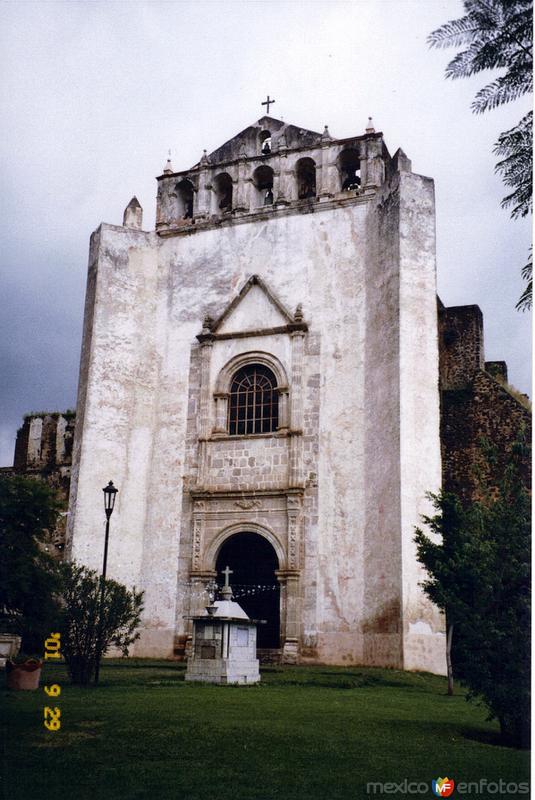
pixel 369 126
pixel 204 158
pixel 298 316
pixel 326 135
pixel 133 214
pixel 168 169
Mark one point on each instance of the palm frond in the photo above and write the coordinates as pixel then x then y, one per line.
pixel 500 91
pixel 454 33
pixel 525 300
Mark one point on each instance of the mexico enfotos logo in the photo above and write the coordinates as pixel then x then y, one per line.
pixel 444 787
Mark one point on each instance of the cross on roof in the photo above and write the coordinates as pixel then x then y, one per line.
pixel 267 103
pixel 227 572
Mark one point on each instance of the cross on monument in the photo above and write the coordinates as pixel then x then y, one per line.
pixel 267 103
pixel 227 572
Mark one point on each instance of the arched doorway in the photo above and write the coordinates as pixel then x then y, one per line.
pixel 253 562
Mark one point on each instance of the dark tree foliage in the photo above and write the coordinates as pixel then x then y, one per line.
pixel 498 34
pixel 79 619
pixel 479 572
pixel 28 575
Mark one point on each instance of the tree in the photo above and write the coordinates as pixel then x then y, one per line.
pixel 479 572
pixel 28 575
pixel 79 619
pixel 498 34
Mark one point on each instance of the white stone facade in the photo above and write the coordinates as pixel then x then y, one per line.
pixel 335 293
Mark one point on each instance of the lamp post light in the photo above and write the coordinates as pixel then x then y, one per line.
pixel 110 493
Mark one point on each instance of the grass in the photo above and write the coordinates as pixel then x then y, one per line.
pixel 304 733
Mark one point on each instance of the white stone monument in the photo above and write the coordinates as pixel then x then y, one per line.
pixel 9 647
pixel 223 649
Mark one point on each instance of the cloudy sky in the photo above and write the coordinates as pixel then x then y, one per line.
pixel 94 94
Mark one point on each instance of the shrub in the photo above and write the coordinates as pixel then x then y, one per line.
pixel 79 619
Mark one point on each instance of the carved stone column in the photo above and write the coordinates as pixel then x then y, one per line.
pixel 204 407
pixel 326 188
pixel 276 185
pixel 281 193
pixel 221 412
pixel 374 170
pixel 289 580
pixel 239 188
pixel 294 509
pixel 197 535
pixel 284 408
pixel 166 205
pixel 296 409
pixel 202 198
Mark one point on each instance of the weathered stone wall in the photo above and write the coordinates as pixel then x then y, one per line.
pixel 483 411
pixel 402 390
pixel 248 463
pixel 461 345
pixel 353 469
pixel 45 441
pixel 43 449
pixel 477 405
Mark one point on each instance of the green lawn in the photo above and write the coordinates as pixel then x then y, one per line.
pixel 318 733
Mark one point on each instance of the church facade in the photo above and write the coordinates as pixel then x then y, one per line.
pixel 260 378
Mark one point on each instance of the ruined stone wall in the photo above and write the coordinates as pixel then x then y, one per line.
pixel 483 411
pixel 461 345
pixel 477 405
pixel 43 450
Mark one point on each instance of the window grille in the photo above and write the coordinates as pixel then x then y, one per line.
pixel 254 401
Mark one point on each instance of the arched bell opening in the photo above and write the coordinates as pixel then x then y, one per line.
pixel 223 192
pixel 263 183
pixel 265 142
pixel 255 587
pixel 184 191
pixel 305 171
pixel 349 167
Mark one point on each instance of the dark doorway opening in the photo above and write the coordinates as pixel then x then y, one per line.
pixel 254 583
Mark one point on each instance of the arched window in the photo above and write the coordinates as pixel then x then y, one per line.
pixel 184 190
pixel 223 190
pixel 306 178
pixel 349 163
pixel 263 183
pixel 265 143
pixel 253 402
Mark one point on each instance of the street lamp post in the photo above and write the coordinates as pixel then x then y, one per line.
pixel 109 501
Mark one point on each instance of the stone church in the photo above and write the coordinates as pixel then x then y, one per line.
pixel 260 379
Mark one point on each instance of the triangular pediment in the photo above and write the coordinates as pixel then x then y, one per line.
pixel 247 141
pixel 255 308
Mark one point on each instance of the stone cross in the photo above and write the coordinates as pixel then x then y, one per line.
pixel 227 572
pixel 267 103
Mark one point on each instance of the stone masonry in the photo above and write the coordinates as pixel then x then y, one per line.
pixel 477 404
pixel 43 450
